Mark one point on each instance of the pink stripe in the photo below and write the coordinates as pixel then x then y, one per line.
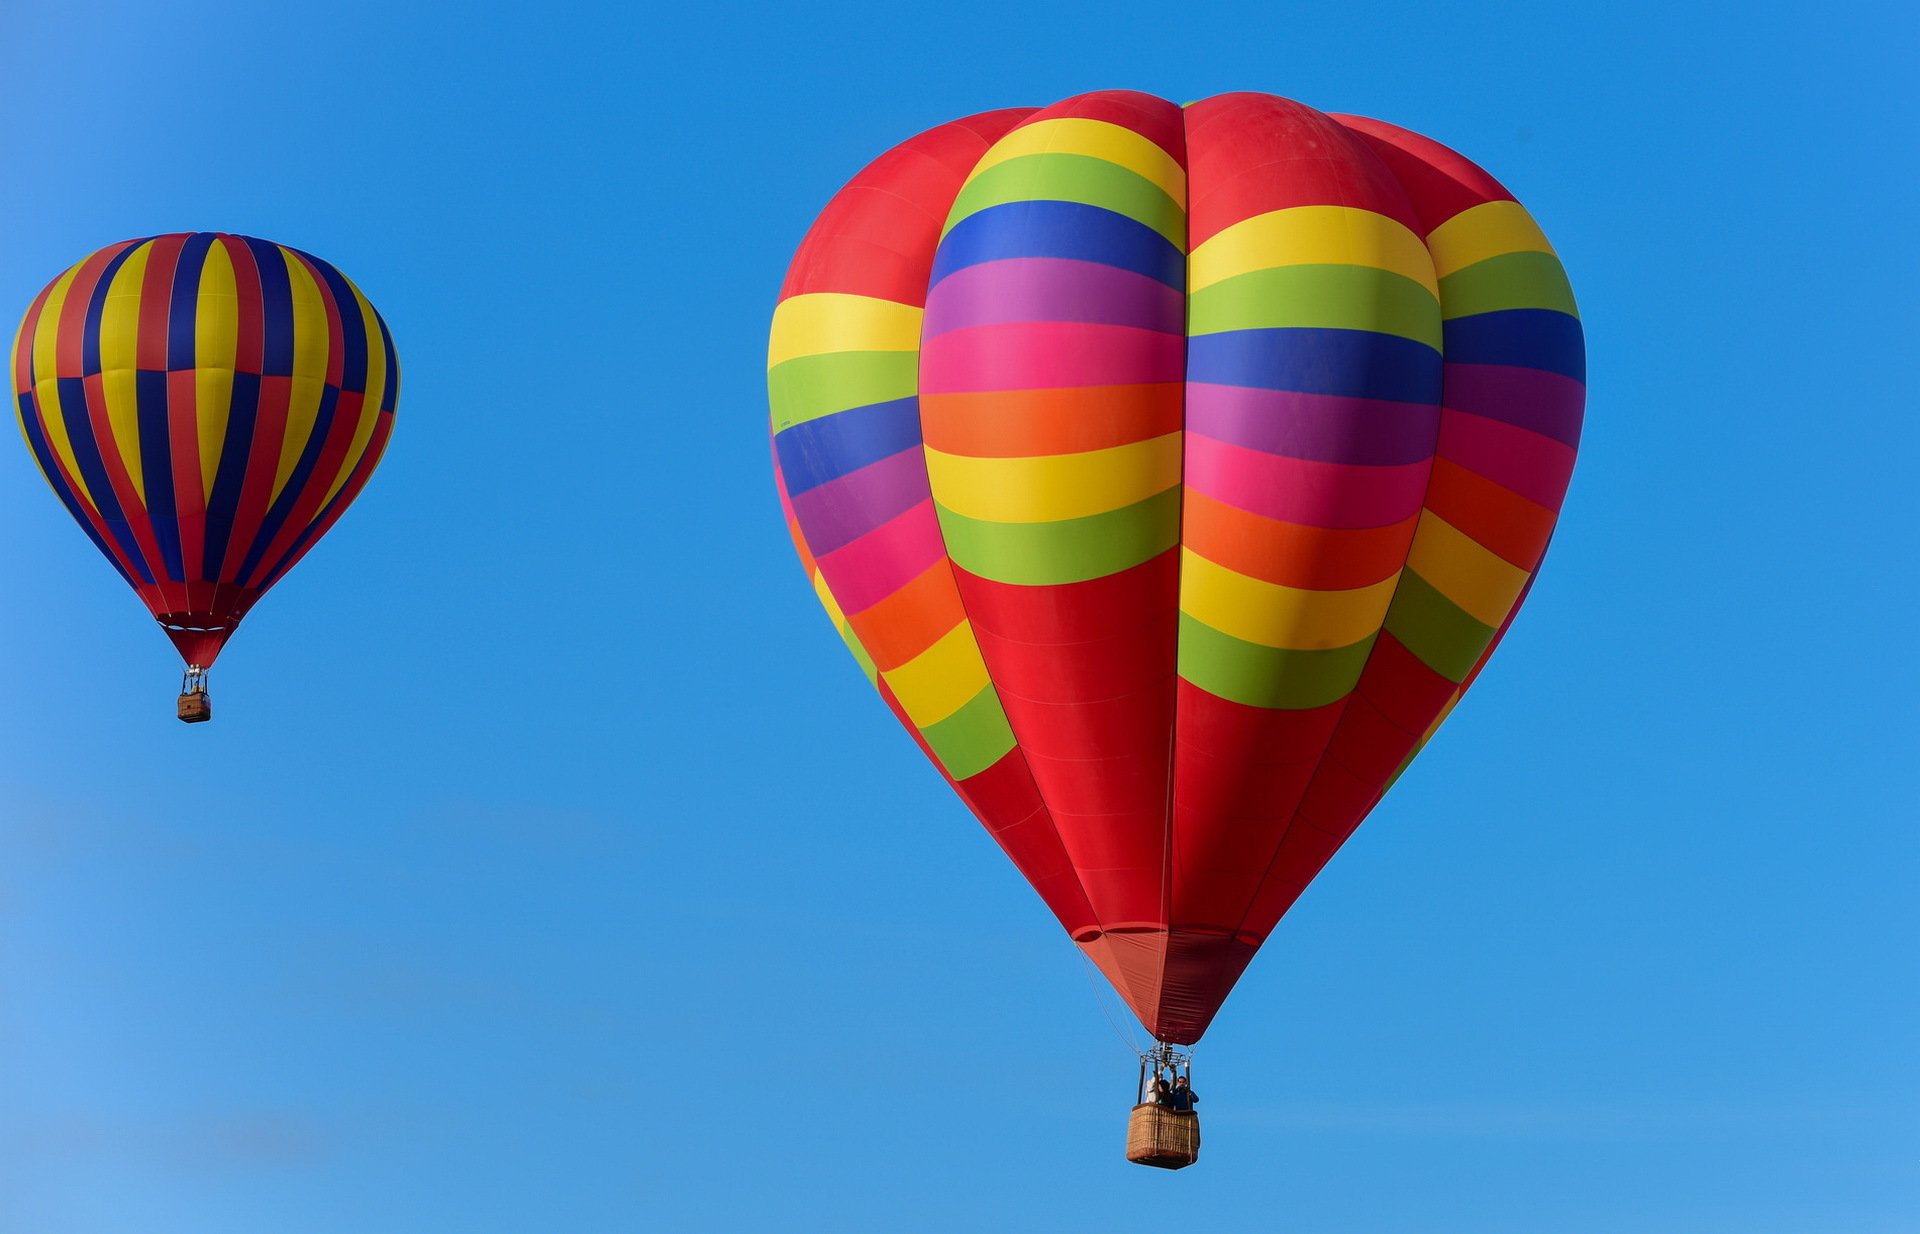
pixel 870 569
pixel 1052 289
pixel 1533 466
pixel 1302 491
pixel 1049 356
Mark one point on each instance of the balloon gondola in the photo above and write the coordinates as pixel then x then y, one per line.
pixel 205 406
pixel 1172 472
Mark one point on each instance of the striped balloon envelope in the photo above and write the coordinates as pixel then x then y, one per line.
pixel 1172 471
pixel 205 406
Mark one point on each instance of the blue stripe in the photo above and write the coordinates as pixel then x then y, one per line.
pixel 228 479
pixel 295 488
pixel 276 309
pixel 37 442
pixel 1315 360
pixel 93 471
pixel 1523 338
pixel 96 305
pixel 814 452
pixel 390 391
pixel 353 327
pixel 156 467
pixel 183 307
pixel 1067 229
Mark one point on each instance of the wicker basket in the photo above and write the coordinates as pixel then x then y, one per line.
pixel 1158 1136
pixel 195 707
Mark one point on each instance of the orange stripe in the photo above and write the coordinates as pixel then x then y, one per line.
pixel 1033 423
pixel 1506 524
pixel 1291 554
pixel 910 620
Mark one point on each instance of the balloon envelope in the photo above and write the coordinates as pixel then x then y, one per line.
pixel 1172 472
pixel 205 406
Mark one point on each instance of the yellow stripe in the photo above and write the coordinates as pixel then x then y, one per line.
pixel 216 341
pixel 940 680
pixel 828 321
pixel 119 358
pixel 1260 612
pixel 842 626
pixel 311 338
pixel 370 405
pixel 120 312
pixel 1487 230
pixel 1053 487
pixel 47 388
pixel 1311 235
pixel 1464 571
pixel 1097 138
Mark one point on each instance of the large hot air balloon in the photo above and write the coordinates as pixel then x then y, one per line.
pixel 1172 471
pixel 206 406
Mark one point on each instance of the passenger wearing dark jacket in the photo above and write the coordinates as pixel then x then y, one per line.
pixel 1182 1098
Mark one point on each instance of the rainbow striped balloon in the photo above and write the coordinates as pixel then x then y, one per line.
pixel 1172 472
pixel 206 406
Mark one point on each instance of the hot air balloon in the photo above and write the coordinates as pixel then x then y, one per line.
pixel 1171 472
pixel 206 406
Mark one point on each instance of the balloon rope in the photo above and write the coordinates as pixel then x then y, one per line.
pixel 1102 1004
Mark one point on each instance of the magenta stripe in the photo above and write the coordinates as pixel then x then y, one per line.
pixel 1052 289
pixel 1546 403
pixel 1533 466
pixel 848 507
pixel 1049 356
pixel 1313 494
pixel 1329 428
pixel 870 569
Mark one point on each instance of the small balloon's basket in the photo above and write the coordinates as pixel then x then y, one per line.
pixel 195 705
pixel 1162 1138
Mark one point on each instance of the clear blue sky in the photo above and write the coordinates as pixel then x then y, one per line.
pixel 549 858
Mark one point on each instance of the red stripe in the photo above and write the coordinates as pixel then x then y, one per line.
pixel 62 477
pixel 333 454
pixel 250 345
pixel 132 505
pixel 369 459
pixel 877 236
pixel 1255 153
pixel 263 460
pixel 156 293
pixel 23 342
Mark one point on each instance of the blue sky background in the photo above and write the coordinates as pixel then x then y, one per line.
pixel 551 867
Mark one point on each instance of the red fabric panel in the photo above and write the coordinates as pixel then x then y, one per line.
pixel 877 236
pixel 1253 153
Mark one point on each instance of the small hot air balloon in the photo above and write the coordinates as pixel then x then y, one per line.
pixel 1172 471
pixel 206 406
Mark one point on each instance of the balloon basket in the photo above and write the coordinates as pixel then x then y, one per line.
pixel 195 705
pixel 1162 1138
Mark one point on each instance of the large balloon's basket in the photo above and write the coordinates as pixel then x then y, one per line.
pixel 1163 1131
pixel 195 705
pixel 1162 1138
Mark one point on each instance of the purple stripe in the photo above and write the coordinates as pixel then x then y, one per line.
pixel 1541 402
pixel 1326 428
pixel 841 511
pixel 1052 289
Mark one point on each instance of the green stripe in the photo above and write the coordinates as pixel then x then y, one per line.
pixel 808 387
pixel 1434 628
pixel 1276 678
pixel 1509 281
pixel 1340 297
pixel 853 643
pixel 973 738
pixel 1068 551
pixel 1073 177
